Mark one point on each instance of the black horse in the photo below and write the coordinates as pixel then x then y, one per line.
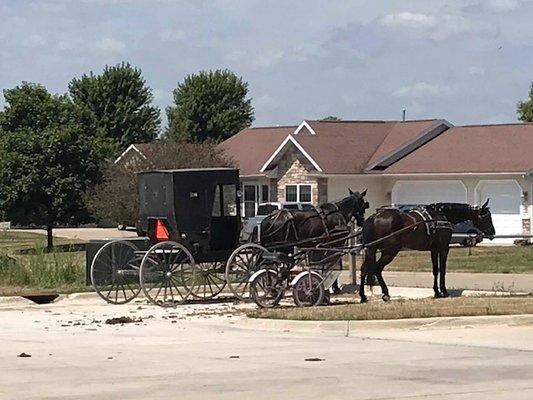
pixel 292 226
pixel 434 236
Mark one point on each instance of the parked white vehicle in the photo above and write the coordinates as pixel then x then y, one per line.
pixel 250 225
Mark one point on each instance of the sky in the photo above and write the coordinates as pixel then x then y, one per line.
pixel 468 61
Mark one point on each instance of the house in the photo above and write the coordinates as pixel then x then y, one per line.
pixel 411 162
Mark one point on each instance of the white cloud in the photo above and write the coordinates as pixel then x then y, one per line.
pixel 501 5
pixel 111 46
pixel 437 27
pixel 259 59
pixel 34 40
pixel 409 20
pixel 479 71
pixel 172 35
pixel 422 89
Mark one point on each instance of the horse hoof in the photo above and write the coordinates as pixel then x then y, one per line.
pixel 438 295
pixel 445 294
pixel 385 297
pixel 364 299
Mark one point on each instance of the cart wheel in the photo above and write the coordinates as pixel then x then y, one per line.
pixel 209 280
pixel 164 269
pixel 267 289
pixel 115 272
pixel 243 262
pixel 308 291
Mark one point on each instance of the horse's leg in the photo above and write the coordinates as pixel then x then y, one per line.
pixel 370 261
pixel 386 257
pixel 443 257
pixel 435 262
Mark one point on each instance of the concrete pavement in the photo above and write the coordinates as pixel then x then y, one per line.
pixel 200 352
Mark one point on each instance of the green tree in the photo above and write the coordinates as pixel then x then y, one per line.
pixel 117 106
pixel 46 160
pixel 209 105
pixel 525 108
pixel 331 118
pixel 31 106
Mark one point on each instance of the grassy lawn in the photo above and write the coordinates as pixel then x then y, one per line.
pixel 11 241
pixel 504 259
pixel 398 309
pixel 39 271
pixel 497 259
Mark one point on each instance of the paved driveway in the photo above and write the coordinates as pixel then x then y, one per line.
pixel 202 352
pixel 87 233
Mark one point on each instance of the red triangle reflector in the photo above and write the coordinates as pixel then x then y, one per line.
pixel 161 232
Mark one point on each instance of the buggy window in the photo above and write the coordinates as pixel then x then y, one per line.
pixel 308 207
pixel 229 200
pixel 216 203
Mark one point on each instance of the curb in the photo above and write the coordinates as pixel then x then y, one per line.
pixel 347 326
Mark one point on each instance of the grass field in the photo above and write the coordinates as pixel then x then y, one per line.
pixel 493 259
pixel 22 271
pixel 399 309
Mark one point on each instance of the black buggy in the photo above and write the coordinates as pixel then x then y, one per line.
pixel 192 218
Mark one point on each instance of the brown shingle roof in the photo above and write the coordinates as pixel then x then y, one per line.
pixel 338 147
pixel 476 148
pixel 252 147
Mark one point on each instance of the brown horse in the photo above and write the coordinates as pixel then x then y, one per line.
pixel 433 235
pixel 292 226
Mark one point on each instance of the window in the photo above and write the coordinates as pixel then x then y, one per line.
pixel 215 212
pixel 304 193
pixel 250 196
pixel 298 193
pixel 264 193
pixel 291 193
pixel 229 198
pixel 290 206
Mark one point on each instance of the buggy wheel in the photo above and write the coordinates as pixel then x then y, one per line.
pixel 164 269
pixel 115 272
pixel 209 280
pixel 308 291
pixel 267 288
pixel 243 262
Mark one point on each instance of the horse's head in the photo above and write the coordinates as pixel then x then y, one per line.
pixel 356 206
pixel 482 219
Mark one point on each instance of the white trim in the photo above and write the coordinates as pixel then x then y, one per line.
pixel 289 138
pixel 451 173
pixel 130 147
pixel 304 124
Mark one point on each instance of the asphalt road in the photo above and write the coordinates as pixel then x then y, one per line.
pixel 203 352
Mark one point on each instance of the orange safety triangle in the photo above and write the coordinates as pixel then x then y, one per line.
pixel 161 232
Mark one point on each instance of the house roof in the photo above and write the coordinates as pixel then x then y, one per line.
pixel 251 147
pixel 475 148
pixel 336 147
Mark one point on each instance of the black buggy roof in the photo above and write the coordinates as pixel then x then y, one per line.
pixel 182 196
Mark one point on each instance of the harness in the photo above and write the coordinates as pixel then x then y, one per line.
pixel 431 225
pixel 289 225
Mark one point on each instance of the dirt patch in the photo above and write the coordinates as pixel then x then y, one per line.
pixel 122 320
pixel 399 309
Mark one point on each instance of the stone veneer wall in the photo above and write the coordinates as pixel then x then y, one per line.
pixel 294 169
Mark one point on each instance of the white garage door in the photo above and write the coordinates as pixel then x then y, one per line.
pixel 504 205
pixel 427 192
